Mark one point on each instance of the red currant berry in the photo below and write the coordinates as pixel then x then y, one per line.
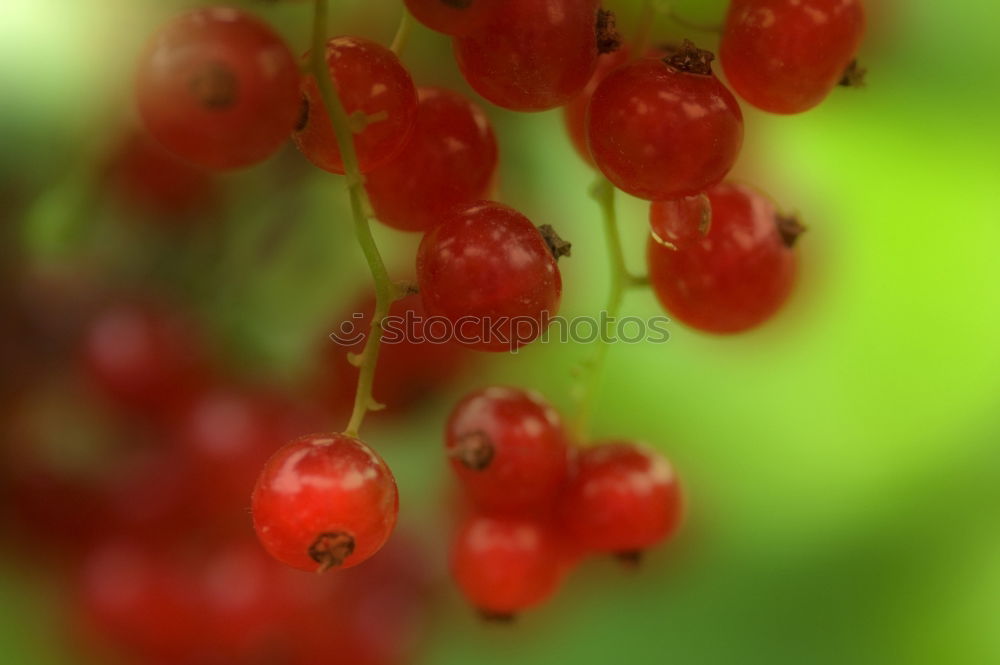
pixel 509 450
pixel 324 501
pixel 150 180
pixel 450 159
pixel 532 55
pixel 505 565
pixel 219 88
pixel 660 129
pixel 375 89
pixel 575 112
pixel 452 17
pixel 142 358
pixel 226 435
pixel 489 271
pixel 135 597
pixel 737 275
pixel 786 57
pixel 623 498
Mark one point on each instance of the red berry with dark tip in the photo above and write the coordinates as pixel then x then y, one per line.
pixel 624 498
pixel 375 89
pixel 452 17
pixel 509 450
pixel 785 56
pixel 324 501
pixel 734 277
pixel 531 55
pixel 449 160
pixel 219 88
pixel 489 271
pixel 505 565
pixel 661 129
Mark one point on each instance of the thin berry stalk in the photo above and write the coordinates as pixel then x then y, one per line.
pixel 620 280
pixel 386 292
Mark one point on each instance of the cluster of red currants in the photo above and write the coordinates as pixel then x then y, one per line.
pixel 129 475
pixel 219 88
pixel 539 503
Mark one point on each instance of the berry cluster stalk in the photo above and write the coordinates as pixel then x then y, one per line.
pixel 386 291
pixel 620 280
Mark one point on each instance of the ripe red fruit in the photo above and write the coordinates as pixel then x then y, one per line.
pixel 374 87
pixel 152 181
pixel 532 55
pixel 324 501
pixel 735 277
pixel 786 57
pixel 452 17
pixel 575 112
pixel 623 498
pixel 505 565
pixel 509 450
pixel 142 358
pixel 219 88
pixel 488 270
pixel 661 129
pixel 225 435
pixel 136 598
pixel 449 160
pixel 408 370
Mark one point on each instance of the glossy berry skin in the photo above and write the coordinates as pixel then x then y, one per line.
pixel 370 80
pixel 509 450
pixel 452 17
pixel 450 159
pixel 142 358
pixel 219 88
pixel 487 269
pixel 624 498
pixel 505 565
pixel 785 56
pixel 730 280
pixel 324 501
pixel 575 111
pixel 531 55
pixel 659 133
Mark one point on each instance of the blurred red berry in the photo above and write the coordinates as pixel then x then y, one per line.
pixel 449 160
pixel 219 88
pixel 786 57
pixel 504 566
pixel 737 275
pixel 531 55
pixel 624 498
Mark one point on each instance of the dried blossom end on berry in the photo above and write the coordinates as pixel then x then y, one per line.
pixel 690 59
pixel 331 549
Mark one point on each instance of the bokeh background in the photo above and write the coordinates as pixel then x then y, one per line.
pixel 842 463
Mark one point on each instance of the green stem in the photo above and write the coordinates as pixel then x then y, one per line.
pixel 402 32
pixel 620 280
pixel 385 290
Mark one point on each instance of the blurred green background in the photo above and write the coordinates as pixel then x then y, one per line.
pixel 842 463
